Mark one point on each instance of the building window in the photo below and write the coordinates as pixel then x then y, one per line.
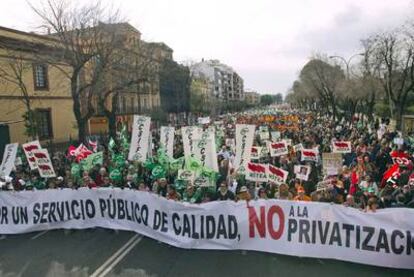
pixel 44 124
pixel 40 78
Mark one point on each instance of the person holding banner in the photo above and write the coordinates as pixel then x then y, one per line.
pixel 301 196
pixel 224 193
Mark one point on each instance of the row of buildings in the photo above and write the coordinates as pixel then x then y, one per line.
pixel 36 74
pixel 215 80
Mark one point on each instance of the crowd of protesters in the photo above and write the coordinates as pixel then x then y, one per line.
pixel 358 184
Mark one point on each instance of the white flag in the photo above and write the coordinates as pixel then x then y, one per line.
pixel 189 134
pixel 139 139
pixel 9 157
pixel 167 140
pixel 244 143
pixel 204 150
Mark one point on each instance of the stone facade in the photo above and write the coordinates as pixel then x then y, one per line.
pixel 47 90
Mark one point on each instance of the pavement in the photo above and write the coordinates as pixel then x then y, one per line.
pixel 100 252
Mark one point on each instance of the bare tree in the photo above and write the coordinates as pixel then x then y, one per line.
pixel 14 68
pixel 78 40
pixel 322 81
pixel 393 57
pixel 129 71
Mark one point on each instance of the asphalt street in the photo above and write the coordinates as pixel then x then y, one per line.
pixel 100 252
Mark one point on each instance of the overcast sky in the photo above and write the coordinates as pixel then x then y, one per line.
pixel 266 41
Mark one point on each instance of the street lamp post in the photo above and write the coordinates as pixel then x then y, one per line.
pixel 347 63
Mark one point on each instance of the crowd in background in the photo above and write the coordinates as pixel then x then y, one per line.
pixel 359 184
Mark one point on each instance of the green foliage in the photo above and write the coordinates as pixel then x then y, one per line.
pixel 382 110
pixel 410 109
pixel 266 99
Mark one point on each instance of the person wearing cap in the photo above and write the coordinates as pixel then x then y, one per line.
pixel 301 196
pixel 224 193
pixel 243 194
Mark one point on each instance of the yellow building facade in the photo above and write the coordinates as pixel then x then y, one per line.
pixel 44 86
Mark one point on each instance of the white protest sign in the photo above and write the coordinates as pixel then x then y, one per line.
pixel 341 147
pixel 264 133
pixel 309 155
pixel 331 162
pixel 276 175
pixel 167 140
pixel 204 120
pixel 275 135
pixel 9 157
pixel 302 172
pixel 255 153
pixel 244 143
pixel 140 139
pixel 278 149
pixel 256 172
pixel 44 164
pixel 189 134
pixel 204 151
pixel 28 149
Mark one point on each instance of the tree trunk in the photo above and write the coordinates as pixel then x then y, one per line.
pixel 111 114
pixel 82 130
pixel 399 111
pixel 334 115
pixel 112 125
pixel 370 110
pixel 80 121
pixel 31 120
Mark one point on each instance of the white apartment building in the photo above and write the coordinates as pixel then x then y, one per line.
pixel 224 82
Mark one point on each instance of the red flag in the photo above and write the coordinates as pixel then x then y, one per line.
pixel 93 145
pixel 400 157
pixel 391 175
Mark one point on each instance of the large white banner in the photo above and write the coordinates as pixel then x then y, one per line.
pixel 140 137
pixel 28 149
pixel 305 229
pixel 167 140
pixel 9 156
pixel 189 134
pixel 244 143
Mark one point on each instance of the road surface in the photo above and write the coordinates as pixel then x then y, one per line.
pixel 101 252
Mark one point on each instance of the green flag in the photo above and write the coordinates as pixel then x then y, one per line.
pixel 193 164
pixel 111 144
pixel 92 160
